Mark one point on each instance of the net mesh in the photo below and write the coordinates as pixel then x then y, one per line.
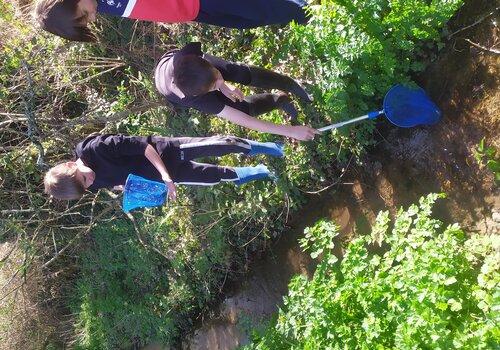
pixel 408 106
pixel 141 193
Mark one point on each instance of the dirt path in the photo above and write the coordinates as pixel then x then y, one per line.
pixel 404 165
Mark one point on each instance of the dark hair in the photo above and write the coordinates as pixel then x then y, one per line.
pixel 61 183
pixel 59 17
pixel 194 75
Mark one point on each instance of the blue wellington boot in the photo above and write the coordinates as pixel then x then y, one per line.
pixel 269 148
pixel 251 173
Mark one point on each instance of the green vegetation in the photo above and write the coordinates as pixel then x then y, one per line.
pixel 488 155
pixel 411 284
pixel 119 291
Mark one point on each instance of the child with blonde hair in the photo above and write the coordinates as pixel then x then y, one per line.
pixel 105 161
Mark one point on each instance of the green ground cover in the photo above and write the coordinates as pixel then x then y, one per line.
pixel 349 55
pixel 428 287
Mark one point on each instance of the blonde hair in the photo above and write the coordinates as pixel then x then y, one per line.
pixel 58 17
pixel 61 183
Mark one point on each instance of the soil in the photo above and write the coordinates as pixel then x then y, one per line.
pixel 405 165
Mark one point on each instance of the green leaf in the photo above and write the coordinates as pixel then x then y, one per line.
pixel 454 305
pixel 450 281
pixel 493 165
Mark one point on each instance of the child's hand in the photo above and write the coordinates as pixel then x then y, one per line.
pixel 231 92
pixel 172 191
pixel 303 133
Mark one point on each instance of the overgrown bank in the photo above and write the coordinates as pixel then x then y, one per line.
pixel 349 61
pixel 411 283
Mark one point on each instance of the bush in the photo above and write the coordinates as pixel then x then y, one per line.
pixel 124 295
pixel 427 287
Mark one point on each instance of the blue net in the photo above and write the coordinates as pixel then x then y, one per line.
pixel 408 106
pixel 141 193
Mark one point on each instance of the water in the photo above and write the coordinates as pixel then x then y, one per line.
pixel 260 295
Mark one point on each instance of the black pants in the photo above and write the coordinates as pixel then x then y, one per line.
pixel 253 105
pixel 178 153
pixel 251 13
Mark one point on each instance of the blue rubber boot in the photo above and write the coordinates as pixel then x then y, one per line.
pixel 251 173
pixel 269 148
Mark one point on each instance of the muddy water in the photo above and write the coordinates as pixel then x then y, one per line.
pixel 261 294
pixel 397 173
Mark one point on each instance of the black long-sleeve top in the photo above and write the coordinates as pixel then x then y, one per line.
pixel 113 157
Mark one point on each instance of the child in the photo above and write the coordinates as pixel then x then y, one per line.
pixel 70 18
pixel 190 78
pixel 105 161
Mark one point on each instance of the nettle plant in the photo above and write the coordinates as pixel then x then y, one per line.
pixel 427 286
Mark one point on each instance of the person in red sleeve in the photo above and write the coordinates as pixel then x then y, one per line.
pixel 70 18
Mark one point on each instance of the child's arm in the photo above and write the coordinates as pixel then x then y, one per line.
pixel 231 92
pixel 300 132
pixel 157 162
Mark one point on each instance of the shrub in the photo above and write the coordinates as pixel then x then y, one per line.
pixel 427 287
pixel 123 295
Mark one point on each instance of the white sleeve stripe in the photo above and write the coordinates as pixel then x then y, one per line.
pixel 214 143
pixel 205 183
pixel 129 8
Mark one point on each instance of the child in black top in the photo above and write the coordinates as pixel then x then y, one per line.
pixel 190 78
pixel 105 161
pixel 70 18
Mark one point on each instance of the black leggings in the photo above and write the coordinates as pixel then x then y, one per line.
pixel 179 159
pixel 253 105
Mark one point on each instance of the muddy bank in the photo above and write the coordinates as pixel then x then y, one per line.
pixel 405 164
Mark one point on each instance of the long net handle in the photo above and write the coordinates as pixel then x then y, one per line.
pixel 338 125
pixel 371 115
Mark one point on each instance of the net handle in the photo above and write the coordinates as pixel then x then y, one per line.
pixel 370 115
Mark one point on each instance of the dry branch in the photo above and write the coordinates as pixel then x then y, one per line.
pixel 475 23
pixel 93 221
pixel 33 133
pixel 492 50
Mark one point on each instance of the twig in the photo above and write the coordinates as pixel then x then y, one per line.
pixel 475 23
pixel 497 52
pixel 20 211
pixel 7 114
pixel 257 235
pixel 10 121
pixel 14 246
pixel 146 245
pixel 332 184
pixel 14 275
pixel 93 221
pixel 33 133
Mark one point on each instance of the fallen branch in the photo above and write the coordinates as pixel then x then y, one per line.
pixel 337 182
pixel 497 52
